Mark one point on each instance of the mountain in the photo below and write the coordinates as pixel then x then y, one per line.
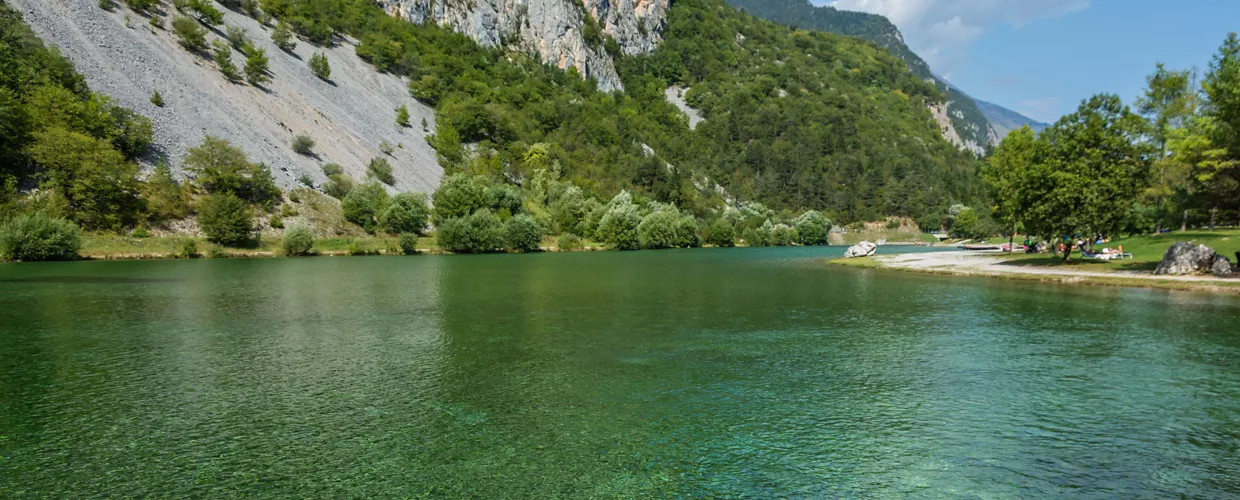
pixel 511 89
pixel 1004 120
pixel 968 117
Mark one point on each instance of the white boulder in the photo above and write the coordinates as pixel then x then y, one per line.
pixel 863 249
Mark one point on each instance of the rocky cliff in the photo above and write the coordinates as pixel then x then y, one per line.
pixel 566 33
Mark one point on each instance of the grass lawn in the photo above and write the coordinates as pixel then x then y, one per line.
pixel 1147 250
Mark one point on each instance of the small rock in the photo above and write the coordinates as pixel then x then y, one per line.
pixel 1221 267
pixel 863 249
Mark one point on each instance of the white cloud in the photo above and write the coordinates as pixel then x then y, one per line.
pixel 940 31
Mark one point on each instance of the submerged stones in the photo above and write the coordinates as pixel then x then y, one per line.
pixel 863 249
pixel 1186 258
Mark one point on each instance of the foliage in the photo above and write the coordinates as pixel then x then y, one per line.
pixel 100 186
pixel 225 220
pixel 222 55
pixel 282 36
pixel 320 67
pixel 189 250
pixel 166 199
pixel 380 169
pixel 338 186
pixel 236 37
pixel 408 243
pixel 407 213
pixel 297 240
pixel 330 169
pixel 364 204
pixel 255 65
pixel 687 232
pixel 522 233
pixel 190 34
pixel 783 235
pixel 569 242
pixel 617 228
pixel 402 116
pixel 658 229
pixel 156 99
pixel 756 237
pixel 458 196
pixel 36 237
pixel 204 10
pixel 221 168
pixel 303 145
pixel 813 228
pixel 721 234
pixel 479 232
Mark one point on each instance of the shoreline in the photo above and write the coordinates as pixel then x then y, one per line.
pixel 1003 266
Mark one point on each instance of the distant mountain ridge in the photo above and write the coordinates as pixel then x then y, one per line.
pixel 978 124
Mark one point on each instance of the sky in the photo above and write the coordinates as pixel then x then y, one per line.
pixel 1042 57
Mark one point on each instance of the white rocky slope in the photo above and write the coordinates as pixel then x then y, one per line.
pixel 552 29
pixel 347 120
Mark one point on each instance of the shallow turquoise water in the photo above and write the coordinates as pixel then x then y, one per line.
pixel 699 373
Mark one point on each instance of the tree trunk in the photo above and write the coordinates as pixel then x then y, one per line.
pixel 1158 215
pixel 1184 221
pixel 1213 216
pixel 1012 242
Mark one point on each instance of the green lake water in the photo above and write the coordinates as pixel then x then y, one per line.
pixel 697 373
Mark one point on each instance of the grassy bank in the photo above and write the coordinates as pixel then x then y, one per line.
pixel 1147 251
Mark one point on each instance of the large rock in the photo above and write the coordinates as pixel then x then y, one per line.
pixel 863 249
pixel 1186 258
pixel 554 30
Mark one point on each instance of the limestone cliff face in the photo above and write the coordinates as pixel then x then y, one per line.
pixel 555 30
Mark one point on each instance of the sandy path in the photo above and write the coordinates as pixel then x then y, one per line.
pixel 990 264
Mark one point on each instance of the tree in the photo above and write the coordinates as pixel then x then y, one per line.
pixel 37 237
pixel 407 213
pixel 364 204
pixel 219 167
pixel 458 196
pixel 658 229
pixel 721 233
pixel 166 199
pixel 479 232
pixel 100 186
pixel 225 220
pixel 297 240
pixel 283 37
pixel 402 116
pixel 1169 100
pixel 813 228
pixel 380 169
pixel 255 65
pixel 222 55
pixel 1085 174
pixel 1008 172
pixel 189 34
pixel 320 67
pixel 522 233
pixel 618 226
pixel 303 145
pixel 205 12
pixel 1219 175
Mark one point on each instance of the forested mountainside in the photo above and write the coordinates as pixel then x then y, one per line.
pixel 796 120
pixel 969 118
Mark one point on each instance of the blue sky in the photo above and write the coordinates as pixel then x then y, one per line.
pixel 1042 57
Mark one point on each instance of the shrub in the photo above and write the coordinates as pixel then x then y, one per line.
pixel 504 199
pixel 276 222
pixel 363 205
pixel 407 213
pixel 225 220
pixel 813 228
pixel 721 233
pixel 386 147
pixel 166 199
pixel 338 186
pixel 255 65
pixel 687 232
pixel 288 210
pixel 141 5
pixel 459 196
pixel 297 240
pixel 223 59
pixel 380 169
pixel 206 13
pixel 893 224
pixel 221 167
pixel 36 237
pixel 141 232
pixel 408 243
pixel 189 34
pixel 155 22
pixel 320 67
pixel 522 233
pixel 618 226
pixel 569 242
pixel 477 233
pixel 283 37
pixel 402 116
pixel 189 250
pixel 157 100
pixel 106 5
pixel 236 37
pixel 783 236
pixel 658 229
pixel 330 169
pixel 305 180
pixel 303 145
pixel 755 237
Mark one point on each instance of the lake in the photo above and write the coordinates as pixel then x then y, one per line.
pixel 698 373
